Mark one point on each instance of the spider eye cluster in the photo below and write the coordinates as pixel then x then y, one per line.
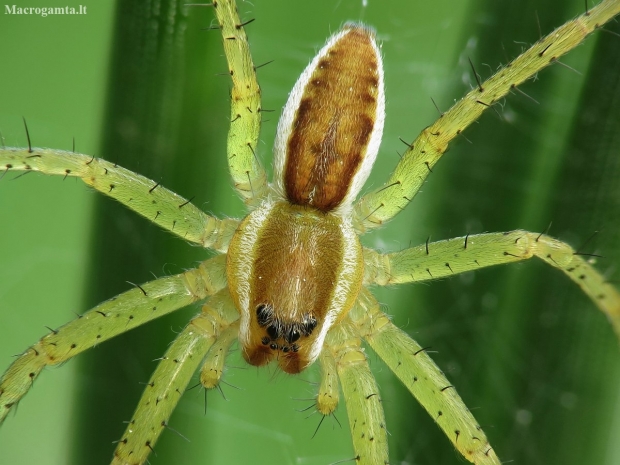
pixel 277 328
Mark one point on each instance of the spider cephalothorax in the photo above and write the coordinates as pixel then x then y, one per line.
pixel 295 272
pixel 296 264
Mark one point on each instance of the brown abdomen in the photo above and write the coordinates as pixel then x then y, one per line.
pixel 332 127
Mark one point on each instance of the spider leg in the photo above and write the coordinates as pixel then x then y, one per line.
pixel 423 378
pixel 144 196
pixel 446 258
pixel 328 395
pixel 170 379
pixel 108 319
pixel 245 113
pixel 213 366
pixel 377 207
pixel 363 401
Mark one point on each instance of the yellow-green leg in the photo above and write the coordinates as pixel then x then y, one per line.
pixel 171 377
pixel 379 206
pixel 363 401
pixel 423 378
pixel 445 258
pixel 213 366
pixel 111 318
pixel 329 390
pixel 248 175
pixel 144 196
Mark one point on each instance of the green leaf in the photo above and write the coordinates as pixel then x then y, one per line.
pixel 529 354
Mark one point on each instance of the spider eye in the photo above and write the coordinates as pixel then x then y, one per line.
pixel 309 323
pixel 264 313
pixel 292 334
pixel 274 331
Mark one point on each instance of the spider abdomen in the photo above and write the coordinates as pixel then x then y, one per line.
pixel 293 271
pixel 331 126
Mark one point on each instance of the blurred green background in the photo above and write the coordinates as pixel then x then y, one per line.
pixel 138 85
